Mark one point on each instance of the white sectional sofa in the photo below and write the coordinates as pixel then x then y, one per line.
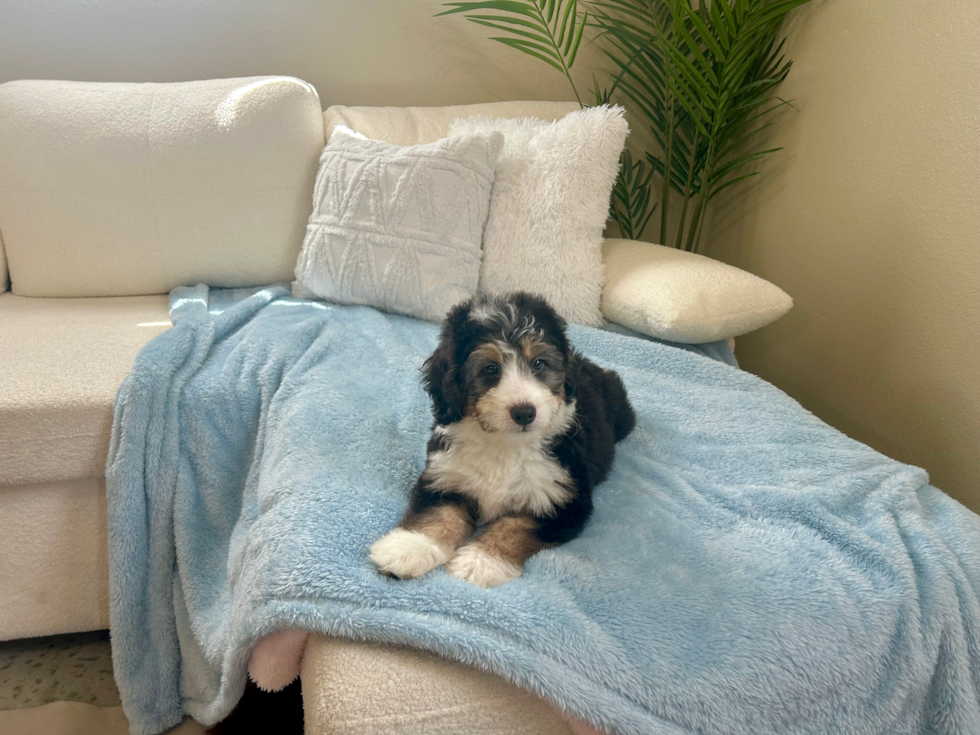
pixel 111 195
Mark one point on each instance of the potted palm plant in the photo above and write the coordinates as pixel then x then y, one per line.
pixel 702 75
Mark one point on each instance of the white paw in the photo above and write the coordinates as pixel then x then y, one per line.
pixel 473 564
pixel 405 554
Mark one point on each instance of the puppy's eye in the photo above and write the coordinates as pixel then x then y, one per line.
pixel 538 364
pixel 491 369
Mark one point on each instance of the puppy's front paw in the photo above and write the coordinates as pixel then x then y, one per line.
pixel 473 564
pixel 406 554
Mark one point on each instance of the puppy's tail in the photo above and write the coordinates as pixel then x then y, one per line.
pixel 620 411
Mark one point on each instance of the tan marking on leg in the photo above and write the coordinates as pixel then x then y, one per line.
pixel 448 525
pixel 512 539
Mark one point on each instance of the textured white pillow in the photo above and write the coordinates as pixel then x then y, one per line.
pixel 549 206
pixel 683 297
pixel 398 227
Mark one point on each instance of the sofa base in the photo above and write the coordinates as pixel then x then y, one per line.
pixel 353 688
pixel 54 571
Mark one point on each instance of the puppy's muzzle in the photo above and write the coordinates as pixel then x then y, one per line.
pixel 523 414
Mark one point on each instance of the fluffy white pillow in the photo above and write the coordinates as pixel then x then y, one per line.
pixel 398 227
pixel 683 297
pixel 549 206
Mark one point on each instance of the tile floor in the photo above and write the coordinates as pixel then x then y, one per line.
pixel 63 685
pixel 74 668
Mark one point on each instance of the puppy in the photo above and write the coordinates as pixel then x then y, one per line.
pixel 525 428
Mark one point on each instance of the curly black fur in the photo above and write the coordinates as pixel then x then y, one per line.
pixel 603 414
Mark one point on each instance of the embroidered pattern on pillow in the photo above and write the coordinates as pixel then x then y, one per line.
pixel 399 228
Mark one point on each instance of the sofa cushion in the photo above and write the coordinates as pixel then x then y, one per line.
pixel 113 189
pixel 61 362
pixel 414 125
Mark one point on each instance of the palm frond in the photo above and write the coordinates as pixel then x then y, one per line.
pixel 632 206
pixel 549 30
pixel 702 75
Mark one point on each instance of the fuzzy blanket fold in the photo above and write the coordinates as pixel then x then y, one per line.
pixel 748 569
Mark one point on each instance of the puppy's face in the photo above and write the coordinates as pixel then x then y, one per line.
pixel 515 385
pixel 503 361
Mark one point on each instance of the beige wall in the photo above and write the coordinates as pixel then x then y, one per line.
pixel 355 52
pixel 870 219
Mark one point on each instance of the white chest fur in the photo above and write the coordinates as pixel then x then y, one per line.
pixel 504 472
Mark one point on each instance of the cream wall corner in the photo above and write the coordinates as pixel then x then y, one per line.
pixel 870 220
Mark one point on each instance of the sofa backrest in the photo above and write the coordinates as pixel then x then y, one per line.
pixel 128 189
pixel 414 125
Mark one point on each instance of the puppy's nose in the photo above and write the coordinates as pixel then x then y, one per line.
pixel 523 414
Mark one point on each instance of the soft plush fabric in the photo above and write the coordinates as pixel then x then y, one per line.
pixel 414 125
pixel 61 363
pixel 684 297
pixel 549 206
pixel 353 688
pixel 54 577
pixel 398 227
pixel 129 189
pixel 748 569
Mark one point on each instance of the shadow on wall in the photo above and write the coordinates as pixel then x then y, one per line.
pixel 869 218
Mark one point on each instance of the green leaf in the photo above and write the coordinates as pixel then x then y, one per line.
pixel 563 26
pixel 510 21
pixel 737 163
pixel 705 37
pixel 507 6
pixel 517 32
pixel 578 39
pixel 532 49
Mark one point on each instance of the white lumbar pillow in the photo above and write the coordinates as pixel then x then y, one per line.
pixel 549 206
pixel 683 297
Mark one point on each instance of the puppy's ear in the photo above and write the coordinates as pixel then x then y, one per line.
pixel 571 374
pixel 545 316
pixel 442 375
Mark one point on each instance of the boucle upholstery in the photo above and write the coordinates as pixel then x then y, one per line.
pixel 414 125
pixel 61 362
pixel 130 189
pixel 55 575
pixel 352 688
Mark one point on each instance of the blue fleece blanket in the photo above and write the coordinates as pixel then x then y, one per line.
pixel 748 569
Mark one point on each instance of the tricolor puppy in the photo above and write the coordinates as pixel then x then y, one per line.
pixel 525 428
